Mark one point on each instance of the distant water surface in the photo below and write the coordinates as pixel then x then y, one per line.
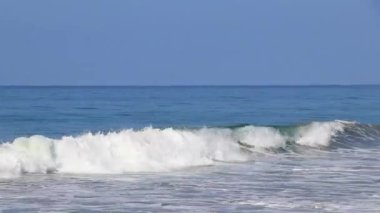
pixel 190 149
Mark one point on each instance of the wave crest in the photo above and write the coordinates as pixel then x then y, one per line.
pixel 152 149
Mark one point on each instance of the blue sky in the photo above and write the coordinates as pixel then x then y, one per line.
pixel 197 42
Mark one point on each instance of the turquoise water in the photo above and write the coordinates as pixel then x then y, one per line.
pixel 190 148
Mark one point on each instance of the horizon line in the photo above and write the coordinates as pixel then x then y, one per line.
pixel 188 85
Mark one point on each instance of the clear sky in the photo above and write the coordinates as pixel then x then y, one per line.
pixel 201 42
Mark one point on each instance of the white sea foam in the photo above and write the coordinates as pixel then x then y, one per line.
pixel 319 134
pixel 150 149
pixel 261 137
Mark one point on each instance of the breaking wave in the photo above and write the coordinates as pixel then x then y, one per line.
pixel 153 150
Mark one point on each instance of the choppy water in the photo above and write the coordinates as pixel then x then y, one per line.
pixel 202 149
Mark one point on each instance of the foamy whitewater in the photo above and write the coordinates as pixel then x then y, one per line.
pixel 190 149
pixel 152 149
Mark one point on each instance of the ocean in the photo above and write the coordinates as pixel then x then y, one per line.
pixel 190 149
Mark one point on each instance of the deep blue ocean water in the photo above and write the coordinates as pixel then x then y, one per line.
pixel 57 111
pixel 184 148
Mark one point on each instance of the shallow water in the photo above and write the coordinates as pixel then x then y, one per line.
pixel 296 152
pixel 285 183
